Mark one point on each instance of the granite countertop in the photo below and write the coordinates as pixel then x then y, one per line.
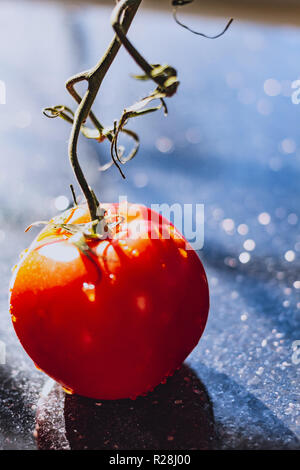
pixel 231 142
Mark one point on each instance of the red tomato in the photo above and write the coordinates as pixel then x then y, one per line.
pixel 113 323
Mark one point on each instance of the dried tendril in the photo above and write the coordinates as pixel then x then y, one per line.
pixel 180 3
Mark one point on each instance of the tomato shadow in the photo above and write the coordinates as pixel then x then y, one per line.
pixel 176 415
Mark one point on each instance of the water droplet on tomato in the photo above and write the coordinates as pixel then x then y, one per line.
pixel 68 391
pixel 135 253
pixel 183 252
pixel 90 291
pixel 23 253
pixel 112 277
pixel 141 303
pixel 13 318
pixel 14 268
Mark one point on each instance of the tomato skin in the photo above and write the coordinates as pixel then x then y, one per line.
pixel 114 325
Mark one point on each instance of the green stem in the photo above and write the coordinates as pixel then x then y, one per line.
pixel 94 77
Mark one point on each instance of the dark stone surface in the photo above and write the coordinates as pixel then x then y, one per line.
pixel 229 146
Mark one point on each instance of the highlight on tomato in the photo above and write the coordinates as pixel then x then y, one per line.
pixel 109 313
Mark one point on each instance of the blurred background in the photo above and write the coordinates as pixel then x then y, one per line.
pixel 231 141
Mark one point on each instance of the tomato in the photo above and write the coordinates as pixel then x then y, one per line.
pixel 115 321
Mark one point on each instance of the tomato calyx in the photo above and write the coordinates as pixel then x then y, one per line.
pixel 81 234
pixel 97 229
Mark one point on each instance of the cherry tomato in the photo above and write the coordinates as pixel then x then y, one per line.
pixel 115 320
